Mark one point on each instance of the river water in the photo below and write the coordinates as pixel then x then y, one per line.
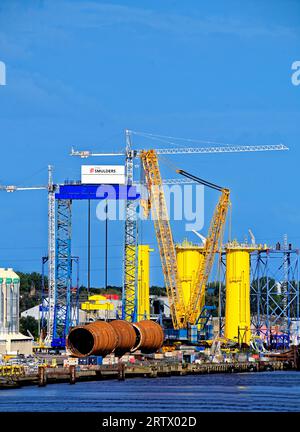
pixel 264 391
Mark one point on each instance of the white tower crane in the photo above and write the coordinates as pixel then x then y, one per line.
pixel 51 255
pixel 51 242
pixel 251 236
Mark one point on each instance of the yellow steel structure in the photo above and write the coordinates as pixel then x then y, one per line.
pixel 212 245
pixel 237 309
pixel 182 315
pixel 189 258
pixel 143 293
pixel 129 301
pixel 12 370
pixel 164 237
pixel 97 302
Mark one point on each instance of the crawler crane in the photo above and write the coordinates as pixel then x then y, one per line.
pixel 212 245
pixel 131 236
pixel 182 316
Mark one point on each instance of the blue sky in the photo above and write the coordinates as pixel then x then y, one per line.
pixel 80 72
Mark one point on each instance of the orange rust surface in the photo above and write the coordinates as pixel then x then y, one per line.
pixel 151 336
pixel 126 336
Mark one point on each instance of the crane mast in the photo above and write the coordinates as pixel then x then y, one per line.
pixel 164 236
pixel 51 256
pixel 51 244
pixel 130 244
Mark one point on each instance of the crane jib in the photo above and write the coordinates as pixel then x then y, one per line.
pixel 201 181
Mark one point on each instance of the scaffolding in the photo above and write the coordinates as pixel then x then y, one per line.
pixel 275 293
pixel 63 273
pixel 46 295
pixel 75 292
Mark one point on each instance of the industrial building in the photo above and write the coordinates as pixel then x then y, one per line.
pixel 11 340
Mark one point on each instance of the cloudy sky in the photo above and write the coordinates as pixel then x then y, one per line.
pixel 80 72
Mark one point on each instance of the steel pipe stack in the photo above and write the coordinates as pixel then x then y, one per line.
pixel 118 337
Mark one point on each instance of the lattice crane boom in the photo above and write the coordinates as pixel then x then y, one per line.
pixel 164 236
pixel 219 149
pixel 13 188
pixel 189 150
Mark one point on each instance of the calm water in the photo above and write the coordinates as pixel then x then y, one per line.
pixel 265 391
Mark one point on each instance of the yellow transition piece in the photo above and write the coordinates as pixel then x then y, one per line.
pixel 143 294
pixel 189 256
pixel 237 309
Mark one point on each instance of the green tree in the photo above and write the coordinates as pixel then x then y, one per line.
pixel 159 291
pixel 29 323
pixel 30 289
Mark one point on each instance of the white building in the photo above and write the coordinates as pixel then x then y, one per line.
pixel 11 340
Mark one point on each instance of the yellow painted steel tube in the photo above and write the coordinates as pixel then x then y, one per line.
pixel 143 294
pixel 189 257
pixel 237 309
pixel 130 254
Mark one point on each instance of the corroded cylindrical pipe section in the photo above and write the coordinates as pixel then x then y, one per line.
pixel 126 336
pixel 97 338
pixel 149 336
pixel 118 336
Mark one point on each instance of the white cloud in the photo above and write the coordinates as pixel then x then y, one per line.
pixel 55 22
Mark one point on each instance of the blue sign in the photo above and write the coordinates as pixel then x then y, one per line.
pixel 96 192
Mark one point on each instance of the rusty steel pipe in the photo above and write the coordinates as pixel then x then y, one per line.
pixel 149 336
pixel 118 336
pixel 96 338
pixel 126 336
